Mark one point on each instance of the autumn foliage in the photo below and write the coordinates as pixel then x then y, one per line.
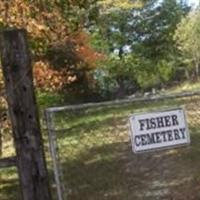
pixel 50 79
pixel 66 64
pixel 61 56
pixel 84 50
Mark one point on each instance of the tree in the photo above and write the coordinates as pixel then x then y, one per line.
pixel 187 40
pixel 16 67
pixel 155 26
pixel 113 35
pixel 58 40
pixel 145 34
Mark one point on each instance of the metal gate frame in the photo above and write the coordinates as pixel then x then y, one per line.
pixel 49 113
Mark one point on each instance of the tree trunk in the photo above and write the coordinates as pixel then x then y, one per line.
pixel 18 79
pixel 197 71
pixel 1 136
pixel 187 74
pixel 121 90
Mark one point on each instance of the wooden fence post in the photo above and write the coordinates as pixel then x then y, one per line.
pixel 17 71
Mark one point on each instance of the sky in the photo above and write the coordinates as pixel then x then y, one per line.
pixel 193 2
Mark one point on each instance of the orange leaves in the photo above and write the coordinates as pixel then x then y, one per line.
pixel 85 51
pixel 1 80
pixel 39 23
pixel 50 79
pixel 47 26
pixel 51 39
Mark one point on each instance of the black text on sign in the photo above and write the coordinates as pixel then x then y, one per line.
pixel 157 130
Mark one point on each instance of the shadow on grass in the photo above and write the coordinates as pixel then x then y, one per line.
pixel 192 152
pixel 113 172
pixel 96 174
pixel 9 184
pixel 103 166
pixel 10 188
pixel 95 124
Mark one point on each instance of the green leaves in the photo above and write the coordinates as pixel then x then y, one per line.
pixel 187 39
pixel 139 42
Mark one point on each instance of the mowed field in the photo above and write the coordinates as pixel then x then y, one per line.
pixel 98 163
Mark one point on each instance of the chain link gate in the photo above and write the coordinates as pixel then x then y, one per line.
pixel 93 159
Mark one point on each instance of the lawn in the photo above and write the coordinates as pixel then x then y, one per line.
pixel 98 162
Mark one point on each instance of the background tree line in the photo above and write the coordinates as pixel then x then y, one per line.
pixel 93 50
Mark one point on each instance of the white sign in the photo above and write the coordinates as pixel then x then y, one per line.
pixel 156 130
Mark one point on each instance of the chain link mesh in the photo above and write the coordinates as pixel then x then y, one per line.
pixel 97 162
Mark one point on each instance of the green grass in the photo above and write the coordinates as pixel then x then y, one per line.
pixel 9 185
pixel 98 163
pixel 48 99
pixel 184 87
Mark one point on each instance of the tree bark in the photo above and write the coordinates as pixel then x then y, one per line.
pixel 1 140
pixel 18 79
